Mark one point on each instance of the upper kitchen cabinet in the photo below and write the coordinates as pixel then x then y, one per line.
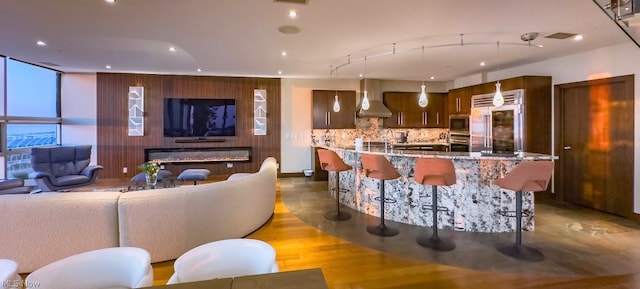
pixel 407 114
pixel 459 101
pixel 323 114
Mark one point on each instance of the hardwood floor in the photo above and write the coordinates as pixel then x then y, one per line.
pixel 348 265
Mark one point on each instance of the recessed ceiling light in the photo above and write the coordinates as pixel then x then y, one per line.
pixel 284 53
pixel 110 1
pixel 539 45
pixel 172 49
pixel 279 71
pixel 108 67
pixel 41 43
pixel 482 63
pixel 199 70
pixel 360 75
pixel 432 78
pixel 578 37
pixel 293 14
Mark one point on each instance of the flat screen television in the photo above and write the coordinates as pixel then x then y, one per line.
pixel 197 117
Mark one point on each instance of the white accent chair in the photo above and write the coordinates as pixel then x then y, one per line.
pixel 9 277
pixel 110 268
pixel 224 258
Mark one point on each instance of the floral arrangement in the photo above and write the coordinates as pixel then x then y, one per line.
pixel 149 168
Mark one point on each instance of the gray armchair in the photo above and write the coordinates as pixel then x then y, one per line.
pixel 63 168
pixel 14 186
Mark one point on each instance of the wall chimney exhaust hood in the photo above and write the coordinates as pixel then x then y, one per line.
pixel 376 107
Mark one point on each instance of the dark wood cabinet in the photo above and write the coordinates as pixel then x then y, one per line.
pixel 405 112
pixel 323 115
pixel 459 101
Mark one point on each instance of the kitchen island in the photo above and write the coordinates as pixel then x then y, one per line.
pixel 473 203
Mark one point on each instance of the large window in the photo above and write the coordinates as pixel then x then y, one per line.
pixel 32 135
pixel 32 116
pixel 32 91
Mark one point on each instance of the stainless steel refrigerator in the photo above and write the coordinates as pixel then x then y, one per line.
pixel 497 129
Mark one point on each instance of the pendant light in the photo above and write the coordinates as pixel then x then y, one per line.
pixel 336 104
pixel 498 99
pixel 365 100
pixel 422 100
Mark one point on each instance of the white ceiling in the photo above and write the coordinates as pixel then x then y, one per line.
pixel 241 37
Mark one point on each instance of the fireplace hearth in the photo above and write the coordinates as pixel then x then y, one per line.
pixel 198 155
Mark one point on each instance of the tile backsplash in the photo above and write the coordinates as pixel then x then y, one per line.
pixel 370 129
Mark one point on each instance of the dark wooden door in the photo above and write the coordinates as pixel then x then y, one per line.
pixel 595 144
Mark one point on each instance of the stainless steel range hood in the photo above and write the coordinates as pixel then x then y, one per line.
pixel 376 107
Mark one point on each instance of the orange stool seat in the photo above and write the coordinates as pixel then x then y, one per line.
pixel 530 176
pixel 435 172
pixel 379 167
pixel 330 161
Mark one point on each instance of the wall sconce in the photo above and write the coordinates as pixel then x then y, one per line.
pixel 259 112
pixel 136 111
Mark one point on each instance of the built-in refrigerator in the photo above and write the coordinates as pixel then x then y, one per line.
pixel 494 129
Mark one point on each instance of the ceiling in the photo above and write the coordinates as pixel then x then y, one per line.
pixel 241 37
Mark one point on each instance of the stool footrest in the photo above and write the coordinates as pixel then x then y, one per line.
pixel 512 214
pixel 386 200
pixel 427 207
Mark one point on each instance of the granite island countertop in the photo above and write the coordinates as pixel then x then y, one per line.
pixel 449 155
pixel 473 203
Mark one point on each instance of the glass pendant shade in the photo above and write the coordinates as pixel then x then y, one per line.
pixel 498 99
pixel 365 101
pixel 422 100
pixel 336 104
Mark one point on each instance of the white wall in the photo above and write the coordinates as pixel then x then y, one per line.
pixel 296 119
pixel 79 111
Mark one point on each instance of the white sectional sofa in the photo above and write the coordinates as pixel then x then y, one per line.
pixel 38 229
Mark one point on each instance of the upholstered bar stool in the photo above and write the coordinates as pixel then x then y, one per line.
pixel 435 172
pixel 379 167
pixel 529 176
pixel 330 161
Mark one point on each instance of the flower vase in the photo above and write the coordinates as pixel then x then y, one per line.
pixel 152 180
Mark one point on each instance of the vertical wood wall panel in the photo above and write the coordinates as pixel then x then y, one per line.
pixel 117 150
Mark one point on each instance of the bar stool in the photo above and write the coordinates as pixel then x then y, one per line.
pixel 530 176
pixel 435 172
pixel 379 167
pixel 330 161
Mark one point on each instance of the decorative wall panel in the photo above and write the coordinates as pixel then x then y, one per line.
pixel 136 111
pixel 260 112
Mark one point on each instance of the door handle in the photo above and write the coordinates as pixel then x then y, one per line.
pixel 566 148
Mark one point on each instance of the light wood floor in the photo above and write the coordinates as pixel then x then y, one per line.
pixel 347 265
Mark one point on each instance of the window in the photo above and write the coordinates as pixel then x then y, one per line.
pixel 32 135
pixel 32 116
pixel 32 91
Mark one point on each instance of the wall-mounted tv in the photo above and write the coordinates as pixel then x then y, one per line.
pixel 197 117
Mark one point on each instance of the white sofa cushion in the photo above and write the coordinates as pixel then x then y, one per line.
pixel 41 228
pixel 169 222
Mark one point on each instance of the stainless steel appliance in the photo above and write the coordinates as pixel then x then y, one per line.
pixel 401 137
pixel 459 143
pixel 459 133
pixel 497 129
pixel 459 124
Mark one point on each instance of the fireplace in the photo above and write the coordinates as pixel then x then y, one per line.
pixel 198 155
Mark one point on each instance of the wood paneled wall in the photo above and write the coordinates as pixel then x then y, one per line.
pixel 117 150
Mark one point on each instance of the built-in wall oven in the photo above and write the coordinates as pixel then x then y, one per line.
pixel 459 133
pixel 458 143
